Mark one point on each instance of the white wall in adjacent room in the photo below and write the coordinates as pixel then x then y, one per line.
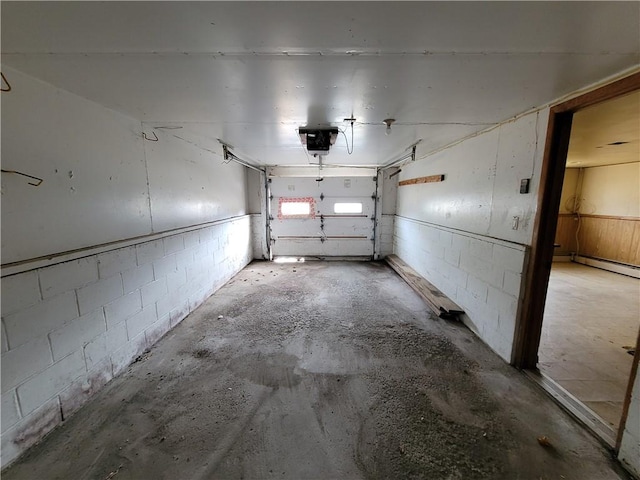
pixel 611 190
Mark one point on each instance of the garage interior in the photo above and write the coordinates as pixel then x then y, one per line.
pixel 157 157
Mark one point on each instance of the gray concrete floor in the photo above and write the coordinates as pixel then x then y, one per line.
pixel 319 370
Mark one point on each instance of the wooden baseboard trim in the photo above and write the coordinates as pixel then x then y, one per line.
pixel 609 266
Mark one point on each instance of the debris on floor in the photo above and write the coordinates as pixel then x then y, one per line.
pixel 544 441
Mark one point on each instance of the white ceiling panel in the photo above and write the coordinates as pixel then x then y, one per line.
pixel 251 73
pixel 607 133
pixel 543 27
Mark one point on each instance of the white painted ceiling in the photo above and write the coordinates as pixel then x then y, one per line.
pixel 251 73
pixel 607 133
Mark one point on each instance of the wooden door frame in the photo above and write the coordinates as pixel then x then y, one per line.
pixel 529 328
pixel 627 398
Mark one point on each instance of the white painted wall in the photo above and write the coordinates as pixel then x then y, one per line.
pixel 91 160
pixel 629 453
pixel 459 233
pixel 189 184
pixel 569 190
pixel 102 181
pixel 480 193
pixel 255 192
pixel 71 322
pixel 611 190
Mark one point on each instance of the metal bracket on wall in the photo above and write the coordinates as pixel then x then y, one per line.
pixel 8 87
pixel 230 156
pixel 37 179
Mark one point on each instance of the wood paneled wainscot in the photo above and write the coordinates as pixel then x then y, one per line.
pixel 600 236
pixel 566 234
pixel 610 238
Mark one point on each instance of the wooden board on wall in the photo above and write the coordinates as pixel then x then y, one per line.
pixel 429 179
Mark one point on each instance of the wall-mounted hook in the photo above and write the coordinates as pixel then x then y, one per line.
pixel 37 179
pixel 4 79
pixel 144 135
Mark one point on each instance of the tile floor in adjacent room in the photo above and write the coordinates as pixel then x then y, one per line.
pixel 591 315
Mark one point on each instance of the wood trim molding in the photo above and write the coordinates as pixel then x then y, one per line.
pixel 616 89
pixel 608 217
pixel 529 325
pixel 627 397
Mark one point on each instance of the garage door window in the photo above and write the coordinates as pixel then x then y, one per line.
pixel 346 208
pixel 296 208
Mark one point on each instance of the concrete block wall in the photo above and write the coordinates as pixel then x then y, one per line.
pixel 629 453
pixel 481 274
pixel 69 328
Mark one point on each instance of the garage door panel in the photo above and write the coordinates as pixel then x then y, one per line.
pixel 324 232
pixel 329 248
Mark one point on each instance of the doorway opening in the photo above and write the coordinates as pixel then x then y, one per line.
pixel 580 322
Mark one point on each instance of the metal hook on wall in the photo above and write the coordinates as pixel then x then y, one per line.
pixel 37 179
pixel 144 135
pixel 4 79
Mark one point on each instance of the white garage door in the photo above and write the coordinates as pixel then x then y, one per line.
pixel 329 218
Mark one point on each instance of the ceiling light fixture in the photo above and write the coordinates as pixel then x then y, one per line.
pixel 388 122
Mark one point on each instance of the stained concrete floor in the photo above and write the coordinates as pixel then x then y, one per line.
pixel 318 371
